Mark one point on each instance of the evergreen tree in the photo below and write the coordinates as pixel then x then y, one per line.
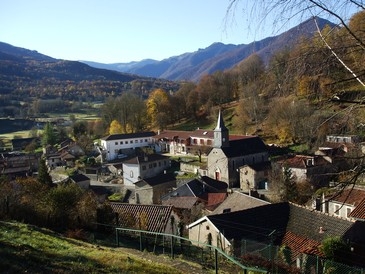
pixel 48 137
pixel 43 174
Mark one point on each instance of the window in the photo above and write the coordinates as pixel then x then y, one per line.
pixel 121 142
pixel 141 141
pixel 195 141
pixel 337 210
pixel 159 163
pixel 150 165
pixel 131 141
pixel 154 165
pixel 348 211
pixel 116 143
pixel 202 141
pixel 126 142
pixel 131 174
pixel 226 210
pixel 209 142
pixel 144 167
pixel 136 141
pixel 145 140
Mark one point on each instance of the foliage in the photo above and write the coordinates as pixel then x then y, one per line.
pixel 115 128
pixel 49 137
pixel 43 175
pixel 332 246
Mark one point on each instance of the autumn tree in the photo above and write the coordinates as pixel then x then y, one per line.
pixel 158 108
pixel 115 127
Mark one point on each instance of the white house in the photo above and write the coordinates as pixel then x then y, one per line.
pixel 141 167
pixel 117 145
pixel 343 203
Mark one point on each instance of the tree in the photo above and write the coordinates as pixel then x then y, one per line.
pixel 43 174
pixel 48 137
pixel 79 128
pixel 115 127
pixel 158 108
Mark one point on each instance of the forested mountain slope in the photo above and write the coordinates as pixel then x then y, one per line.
pixel 218 56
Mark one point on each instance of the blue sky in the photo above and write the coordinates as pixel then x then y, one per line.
pixel 114 31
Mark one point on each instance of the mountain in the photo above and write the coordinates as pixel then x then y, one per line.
pixel 28 72
pixel 218 56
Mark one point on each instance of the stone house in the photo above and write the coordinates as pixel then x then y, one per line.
pixel 142 167
pixel 254 177
pixel 149 190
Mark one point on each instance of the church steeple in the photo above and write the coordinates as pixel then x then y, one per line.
pixel 221 133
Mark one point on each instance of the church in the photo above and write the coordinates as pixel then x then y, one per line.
pixel 226 157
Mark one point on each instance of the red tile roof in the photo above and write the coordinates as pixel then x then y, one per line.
pixel 299 244
pixel 359 211
pixel 351 196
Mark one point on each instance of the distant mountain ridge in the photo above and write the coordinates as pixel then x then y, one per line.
pixel 218 56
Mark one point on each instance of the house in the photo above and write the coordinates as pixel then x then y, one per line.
pixel 199 188
pixel 189 209
pixel 282 224
pixel 237 201
pixel 343 202
pixel 227 156
pixel 314 169
pixel 142 167
pixel 153 218
pixel 199 141
pixel 81 180
pixel 254 177
pixel 358 213
pixel 149 190
pixel 257 224
pixel 17 164
pixel 72 148
pixel 117 146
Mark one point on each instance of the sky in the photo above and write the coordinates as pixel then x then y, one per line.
pixel 119 31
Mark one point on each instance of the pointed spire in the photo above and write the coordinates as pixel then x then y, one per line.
pixel 220 121
pixel 221 134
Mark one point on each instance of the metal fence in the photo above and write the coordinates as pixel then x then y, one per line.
pixel 248 257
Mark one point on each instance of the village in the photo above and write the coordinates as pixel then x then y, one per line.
pixel 216 187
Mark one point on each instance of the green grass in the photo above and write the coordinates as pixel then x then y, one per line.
pixel 25 248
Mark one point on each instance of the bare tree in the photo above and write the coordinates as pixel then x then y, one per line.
pixel 283 13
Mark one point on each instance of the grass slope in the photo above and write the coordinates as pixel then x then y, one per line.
pixel 25 248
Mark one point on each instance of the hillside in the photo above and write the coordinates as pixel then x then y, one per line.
pixel 25 72
pixel 25 248
pixel 218 56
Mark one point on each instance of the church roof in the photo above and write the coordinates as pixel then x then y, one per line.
pixel 245 146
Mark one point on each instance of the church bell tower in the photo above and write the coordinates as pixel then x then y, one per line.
pixel 221 133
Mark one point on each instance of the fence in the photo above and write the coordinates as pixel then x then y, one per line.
pixel 248 257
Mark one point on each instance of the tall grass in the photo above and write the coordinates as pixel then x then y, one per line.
pixel 25 248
